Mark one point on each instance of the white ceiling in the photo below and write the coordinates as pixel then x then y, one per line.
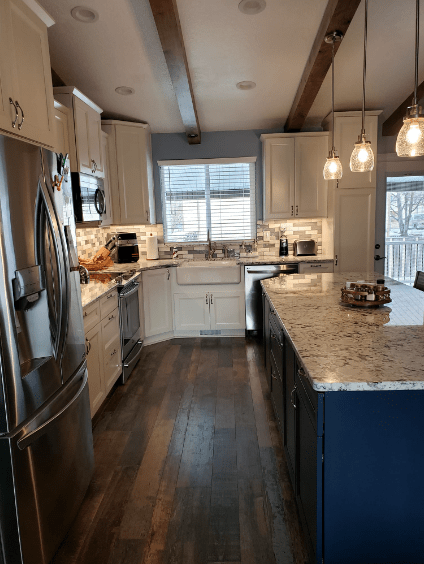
pixel 224 47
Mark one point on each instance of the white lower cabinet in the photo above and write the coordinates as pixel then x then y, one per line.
pixel 157 302
pixel 103 346
pixel 203 311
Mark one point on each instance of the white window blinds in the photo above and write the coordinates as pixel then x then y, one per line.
pixel 214 194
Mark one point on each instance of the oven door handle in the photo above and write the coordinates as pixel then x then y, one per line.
pixel 129 292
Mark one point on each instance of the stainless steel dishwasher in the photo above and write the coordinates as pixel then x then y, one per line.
pixel 252 282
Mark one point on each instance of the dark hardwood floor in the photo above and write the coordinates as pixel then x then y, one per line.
pixel 189 465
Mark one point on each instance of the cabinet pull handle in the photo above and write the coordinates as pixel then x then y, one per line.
pixel 111 317
pixel 16 112
pixel 212 299
pixel 169 274
pixel 207 303
pixel 336 260
pixel 291 397
pixel 147 215
pixel 292 210
pixel 85 314
pixel 297 210
pixel 23 115
pixel 114 352
pixel 87 346
pixel 272 375
pixel 301 372
pixel 110 296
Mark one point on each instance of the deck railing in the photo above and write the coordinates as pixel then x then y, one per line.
pixel 404 256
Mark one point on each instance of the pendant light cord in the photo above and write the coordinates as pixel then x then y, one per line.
pixel 417 46
pixel 364 76
pixel 332 88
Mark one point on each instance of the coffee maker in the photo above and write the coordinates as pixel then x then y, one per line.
pixel 126 247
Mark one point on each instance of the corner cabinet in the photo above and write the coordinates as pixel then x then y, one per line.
pixel 26 93
pixel 294 186
pixel 131 172
pixel 86 136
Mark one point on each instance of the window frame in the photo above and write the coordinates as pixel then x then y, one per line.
pixel 219 161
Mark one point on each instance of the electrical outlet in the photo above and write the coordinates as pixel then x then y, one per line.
pixel 266 235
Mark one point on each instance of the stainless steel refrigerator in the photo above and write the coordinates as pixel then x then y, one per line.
pixel 46 446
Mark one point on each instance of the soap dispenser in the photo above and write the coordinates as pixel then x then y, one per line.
pixel 284 244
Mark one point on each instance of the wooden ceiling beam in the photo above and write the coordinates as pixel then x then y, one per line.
pixel 165 13
pixel 394 122
pixel 337 17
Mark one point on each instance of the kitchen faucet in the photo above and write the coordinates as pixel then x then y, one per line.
pixel 211 247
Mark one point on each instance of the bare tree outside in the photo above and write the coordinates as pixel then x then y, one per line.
pixel 403 206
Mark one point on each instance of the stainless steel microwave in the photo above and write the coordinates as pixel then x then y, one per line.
pixel 89 198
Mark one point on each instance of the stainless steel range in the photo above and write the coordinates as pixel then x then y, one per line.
pixel 129 318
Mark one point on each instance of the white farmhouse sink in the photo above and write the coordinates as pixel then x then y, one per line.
pixel 204 272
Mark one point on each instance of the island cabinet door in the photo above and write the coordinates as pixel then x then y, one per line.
pixel 276 369
pixel 289 393
pixel 309 465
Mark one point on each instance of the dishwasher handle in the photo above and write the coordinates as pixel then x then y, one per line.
pixel 293 270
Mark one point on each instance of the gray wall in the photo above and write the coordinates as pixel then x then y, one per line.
pixel 214 145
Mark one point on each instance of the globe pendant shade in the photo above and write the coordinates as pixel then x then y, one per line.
pixel 410 140
pixel 362 157
pixel 333 168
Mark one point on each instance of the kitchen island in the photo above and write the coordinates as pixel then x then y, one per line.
pixel 347 385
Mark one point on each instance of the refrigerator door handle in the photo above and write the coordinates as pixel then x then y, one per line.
pixel 63 268
pixel 28 439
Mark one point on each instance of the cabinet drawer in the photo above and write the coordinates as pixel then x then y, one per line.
pixel 311 267
pixel 110 328
pixel 108 302
pixel 91 315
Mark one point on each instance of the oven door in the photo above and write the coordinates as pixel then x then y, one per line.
pixel 129 316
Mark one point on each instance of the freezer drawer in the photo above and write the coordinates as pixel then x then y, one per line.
pixel 52 462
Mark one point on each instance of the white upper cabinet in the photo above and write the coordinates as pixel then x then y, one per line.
pixel 62 120
pixel 347 127
pixel 86 152
pixel 131 172
pixel 26 94
pixel 293 181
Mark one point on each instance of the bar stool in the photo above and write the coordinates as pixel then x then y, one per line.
pixel 419 280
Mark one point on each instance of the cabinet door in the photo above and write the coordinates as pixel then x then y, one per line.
pixel 95 142
pixel 227 310
pixel 278 178
pixel 107 217
pixel 28 51
pixel 310 186
pixel 96 385
pixel 191 311
pixel 157 302
pixel 7 111
pixel 62 131
pixel 354 233
pixel 82 135
pixel 131 151
pixel 347 129
pixel 289 409
pixel 111 353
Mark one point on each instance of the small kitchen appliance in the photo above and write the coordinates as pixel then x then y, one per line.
pixel 126 247
pixel 304 247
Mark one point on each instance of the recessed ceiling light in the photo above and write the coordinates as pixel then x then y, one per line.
pixel 252 7
pixel 124 90
pixel 84 14
pixel 246 85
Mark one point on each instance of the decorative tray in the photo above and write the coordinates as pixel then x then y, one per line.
pixel 365 295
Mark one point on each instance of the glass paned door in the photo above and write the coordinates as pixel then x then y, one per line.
pixel 404 227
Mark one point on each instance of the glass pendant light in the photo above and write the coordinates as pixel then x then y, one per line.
pixel 410 140
pixel 362 158
pixel 333 167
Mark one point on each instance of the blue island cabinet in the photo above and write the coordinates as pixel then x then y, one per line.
pixel 356 462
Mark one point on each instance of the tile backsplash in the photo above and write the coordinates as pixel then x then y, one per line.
pixel 90 239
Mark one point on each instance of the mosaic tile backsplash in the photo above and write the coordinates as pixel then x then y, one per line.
pixel 90 239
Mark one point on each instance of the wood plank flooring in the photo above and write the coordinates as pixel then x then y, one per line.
pixel 190 467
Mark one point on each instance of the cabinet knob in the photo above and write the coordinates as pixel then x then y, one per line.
pixel 16 112
pixel 22 114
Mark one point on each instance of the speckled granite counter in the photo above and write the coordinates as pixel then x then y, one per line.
pixel 346 348
pixel 95 289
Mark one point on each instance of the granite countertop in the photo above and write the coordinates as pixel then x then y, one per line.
pixel 348 348
pixel 95 289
